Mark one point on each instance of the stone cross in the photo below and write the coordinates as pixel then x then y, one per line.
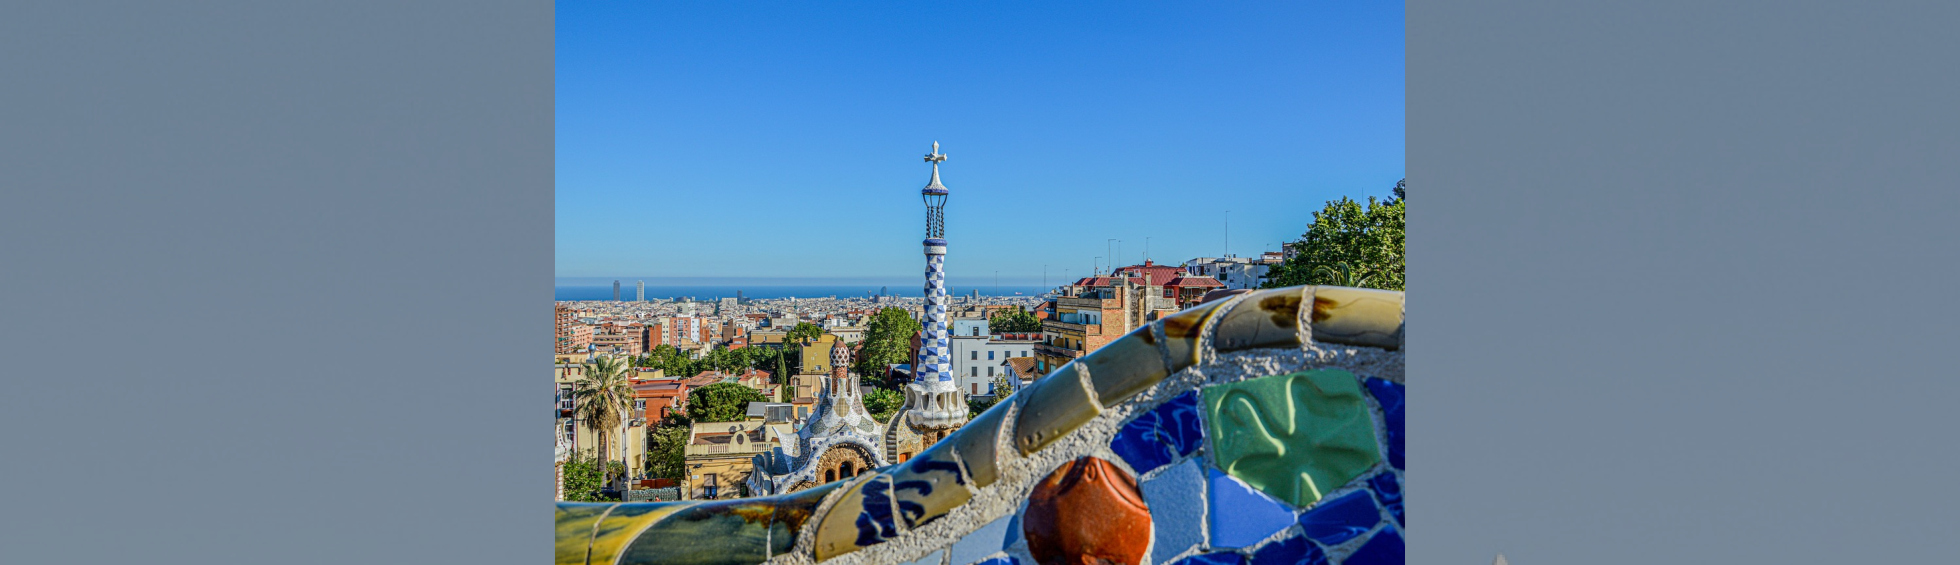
pixel 935 157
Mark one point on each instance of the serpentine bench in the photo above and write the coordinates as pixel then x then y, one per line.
pixel 1262 428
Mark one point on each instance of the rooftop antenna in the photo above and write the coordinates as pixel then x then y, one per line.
pixel 1146 249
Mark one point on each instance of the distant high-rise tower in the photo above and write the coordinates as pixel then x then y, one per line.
pixel 640 292
pixel 615 291
pixel 933 399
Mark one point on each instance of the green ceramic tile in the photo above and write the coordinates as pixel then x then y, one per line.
pixel 719 532
pixel 1125 367
pixel 573 531
pixel 929 485
pixel 1268 318
pixel 1056 405
pixel 1294 436
pixel 793 511
pixel 1183 330
pixel 976 443
pixel 1357 316
pixel 624 524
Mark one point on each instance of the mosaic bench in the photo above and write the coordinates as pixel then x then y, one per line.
pixel 1263 428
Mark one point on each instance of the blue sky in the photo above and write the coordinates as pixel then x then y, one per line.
pixel 783 139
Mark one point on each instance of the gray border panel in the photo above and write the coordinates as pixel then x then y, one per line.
pixel 1682 282
pixel 273 282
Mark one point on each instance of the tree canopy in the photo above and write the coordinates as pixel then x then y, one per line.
pixel 721 402
pixel 881 403
pixel 803 331
pixel 1349 244
pixel 1013 321
pixel 887 341
pixel 667 455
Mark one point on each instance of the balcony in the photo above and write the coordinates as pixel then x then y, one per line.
pixel 1084 329
pixel 1092 301
pixel 1055 351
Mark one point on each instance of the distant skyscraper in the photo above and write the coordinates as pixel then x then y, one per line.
pixel 640 292
pixel 615 291
pixel 738 296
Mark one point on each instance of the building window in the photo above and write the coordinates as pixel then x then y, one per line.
pixel 975 388
pixel 976 371
pixel 976 356
pixel 990 371
pixel 990 355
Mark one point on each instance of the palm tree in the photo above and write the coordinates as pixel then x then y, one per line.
pixel 603 398
pixel 1344 275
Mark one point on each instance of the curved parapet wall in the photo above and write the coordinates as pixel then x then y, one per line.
pixel 1266 427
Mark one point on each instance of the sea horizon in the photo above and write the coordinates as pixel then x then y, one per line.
pixel 627 292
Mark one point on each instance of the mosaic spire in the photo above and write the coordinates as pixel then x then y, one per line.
pixel 933 400
pixel 934 365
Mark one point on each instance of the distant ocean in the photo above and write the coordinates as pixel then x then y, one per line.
pixel 626 292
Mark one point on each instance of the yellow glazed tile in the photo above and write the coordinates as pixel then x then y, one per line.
pixel 1268 318
pixel 976 443
pixel 573 530
pixel 1055 405
pixel 837 532
pixel 1183 330
pixel 1126 366
pixel 1357 316
pixel 929 486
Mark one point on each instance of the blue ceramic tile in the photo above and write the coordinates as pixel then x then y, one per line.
pixel 1162 435
pixel 1390 396
pixel 1388 490
pixel 982 542
pixel 1002 560
pixel 1383 549
pixel 1334 521
pixel 1290 551
pixel 1220 558
pixel 1013 534
pixel 1241 515
pixel 1177 509
pixel 875 524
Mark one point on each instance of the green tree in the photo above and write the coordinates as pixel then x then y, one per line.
pixel 603 397
pixel 887 341
pixel 667 451
pixel 721 402
pixel 583 479
pixel 881 403
pixel 803 331
pixel 975 406
pixel 1349 244
pixel 1013 321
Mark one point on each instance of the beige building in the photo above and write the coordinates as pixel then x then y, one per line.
pixel 720 455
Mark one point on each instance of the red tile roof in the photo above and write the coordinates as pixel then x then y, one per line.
pixel 1194 281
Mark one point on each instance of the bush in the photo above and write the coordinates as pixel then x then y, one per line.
pixel 582 480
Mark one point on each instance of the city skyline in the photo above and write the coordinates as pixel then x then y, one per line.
pixel 713 141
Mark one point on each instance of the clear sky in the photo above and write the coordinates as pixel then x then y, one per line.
pixel 784 139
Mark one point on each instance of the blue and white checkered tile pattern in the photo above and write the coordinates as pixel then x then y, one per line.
pixel 935 362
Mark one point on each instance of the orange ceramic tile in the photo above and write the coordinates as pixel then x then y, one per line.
pixel 1086 511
